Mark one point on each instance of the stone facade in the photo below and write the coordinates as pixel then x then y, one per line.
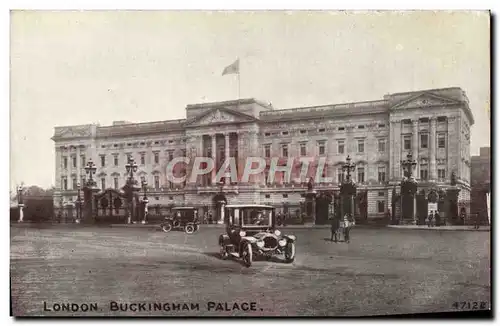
pixel 480 182
pixel 433 124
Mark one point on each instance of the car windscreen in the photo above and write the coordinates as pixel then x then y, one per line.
pixel 256 216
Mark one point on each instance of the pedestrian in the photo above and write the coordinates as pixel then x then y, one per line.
pixel 437 219
pixel 348 224
pixel 334 228
pixel 476 222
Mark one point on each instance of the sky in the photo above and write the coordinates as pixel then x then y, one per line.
pixel 70 68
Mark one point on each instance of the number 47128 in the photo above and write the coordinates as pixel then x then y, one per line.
pixel 470 305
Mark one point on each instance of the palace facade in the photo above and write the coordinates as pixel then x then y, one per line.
pixel 433 125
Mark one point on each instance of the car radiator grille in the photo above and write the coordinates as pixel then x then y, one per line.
pixel 270 242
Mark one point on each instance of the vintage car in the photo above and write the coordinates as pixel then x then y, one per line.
pixel 181 218
pixel 251 232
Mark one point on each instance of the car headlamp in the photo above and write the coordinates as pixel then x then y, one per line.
pixel 242 233
pixel 260 243
pixel 277 232
pixel 282 242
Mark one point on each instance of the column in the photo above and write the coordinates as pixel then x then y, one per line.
pixel 432 139
pixel 226 148
pixel 78 164
pixel 391 145
pixel 414 146
pixel 214 157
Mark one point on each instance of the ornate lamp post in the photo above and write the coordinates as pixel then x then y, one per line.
pixel 145 200
pixel 89 188
pixel 90 170
pixel 79 203
pixel 409 189
pixel 130 186
pixel 348 167
pixel 20 203
pixel 347 189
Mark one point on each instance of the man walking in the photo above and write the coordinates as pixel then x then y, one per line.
pixel 334 227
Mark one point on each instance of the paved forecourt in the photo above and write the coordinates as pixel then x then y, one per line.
pixel 382 271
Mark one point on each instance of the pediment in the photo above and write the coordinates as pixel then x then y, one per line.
pixel 424 100
pixel 72 132
pixel 219 116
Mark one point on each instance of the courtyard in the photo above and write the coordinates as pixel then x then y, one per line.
pixel 382 271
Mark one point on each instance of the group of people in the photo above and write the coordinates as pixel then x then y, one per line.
pixel 342 226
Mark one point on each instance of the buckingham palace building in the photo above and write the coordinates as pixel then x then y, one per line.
pixel 433 125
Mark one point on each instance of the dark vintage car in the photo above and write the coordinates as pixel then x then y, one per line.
pixel 182 218
pixel 251 232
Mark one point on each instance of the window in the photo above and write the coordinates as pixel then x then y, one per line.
pixel 267 150
pixel 303 131
pixel 381 206
pixel 407 121
pixel 441 174
pixel 303 149
pixel 341 128
pixel 83 180
pixel 381 194
pixel 75 183
pixel 157 142
pixel 115 180
pixel 424 172
pixel 157 157
pixel 284 133
pixel 407 142
pixel 321 147
pixel 73 158
pixel 65 162
pixel 285 195
pixel 268 196
pixel 171 154
pixel 143 158
pixel 361 145
pixel 424 140
pixel 284 150
pixel 381 174
pixel 361 174
pixel 321 130
pixel 340 147
pixel 381 125
pixel 115 159
pixel 82 157
pixel 103 161
pixel 441 141
pixel 340 176
pixel 157 182
pixel 361 127
pixel 441 119
pixel 381 145
pixel 267 134
pixel 64 183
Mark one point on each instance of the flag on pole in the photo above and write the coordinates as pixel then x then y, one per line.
pixel 233 68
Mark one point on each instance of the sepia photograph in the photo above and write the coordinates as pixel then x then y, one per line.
pixel 169 163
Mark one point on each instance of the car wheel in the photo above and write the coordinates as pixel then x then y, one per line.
pixel 223 252
pixel 166 227
pixel 290 253
pixel 247 255
pixel 189 229
pixel 177 224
